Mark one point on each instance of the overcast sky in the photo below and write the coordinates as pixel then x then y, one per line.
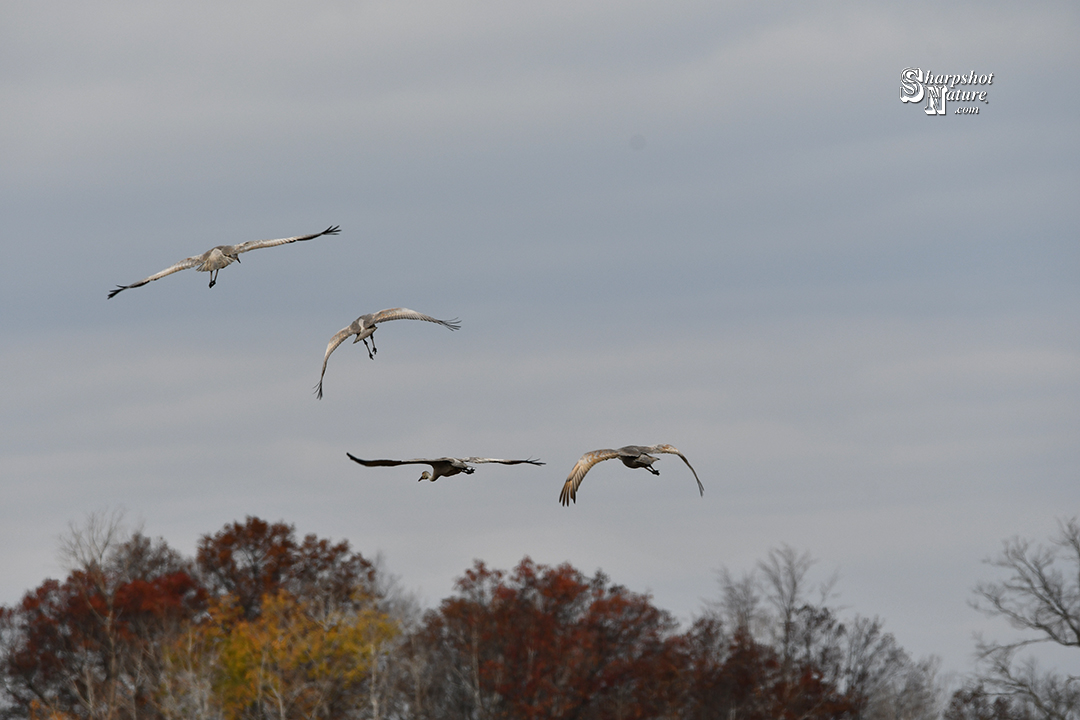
pixel 707 224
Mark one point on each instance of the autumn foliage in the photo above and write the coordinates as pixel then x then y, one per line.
pixel 89 646
pixel 262 624
pixel 547 642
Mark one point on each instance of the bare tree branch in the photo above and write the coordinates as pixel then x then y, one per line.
pixel 1040 595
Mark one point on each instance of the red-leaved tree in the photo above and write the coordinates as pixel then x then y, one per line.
pixel 90 646
pixel 548 642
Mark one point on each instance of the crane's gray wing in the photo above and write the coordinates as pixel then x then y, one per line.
pixel 672 450
pixel 573 480
pixel 395 463
pixel 256 244
pixel 339 337
pixel 477 461
pixel 182 265
pixel 407 314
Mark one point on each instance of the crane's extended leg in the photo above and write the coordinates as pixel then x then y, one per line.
pixel 370 354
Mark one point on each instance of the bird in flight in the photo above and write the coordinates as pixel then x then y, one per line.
pixel 363 328
pixel 221 256
pixel 632 456
pixel 441 467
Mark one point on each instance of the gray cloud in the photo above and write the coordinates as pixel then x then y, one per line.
pixel 857 321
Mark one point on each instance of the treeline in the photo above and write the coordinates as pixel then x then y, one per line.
pixel 263 624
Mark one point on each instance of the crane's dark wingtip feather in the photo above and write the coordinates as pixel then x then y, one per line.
pixel 119 289
pixel 332 230
pixel 454 324
pixel 353 457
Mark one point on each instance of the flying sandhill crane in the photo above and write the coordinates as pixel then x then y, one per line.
pixel 221 256
pixel 363 328
pixel 632 456
pixel 441 467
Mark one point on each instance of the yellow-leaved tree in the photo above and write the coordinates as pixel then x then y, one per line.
pixel 294 661
pixel 293 630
